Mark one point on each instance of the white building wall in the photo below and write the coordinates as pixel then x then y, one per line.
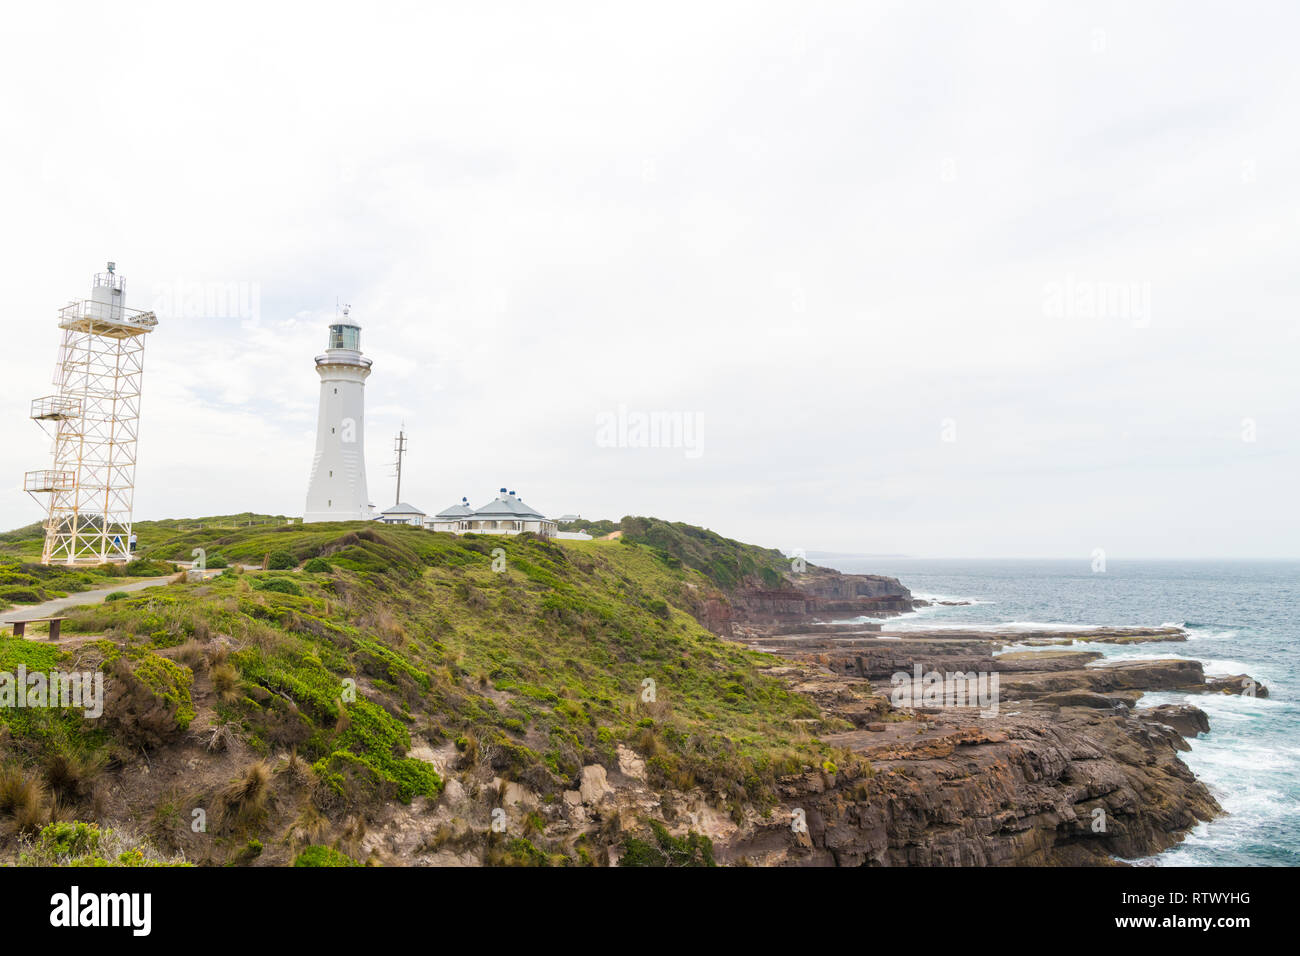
pixel 544 528
pixel 337 488
pixel 415 520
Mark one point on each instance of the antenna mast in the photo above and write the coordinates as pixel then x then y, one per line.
pixel 399 449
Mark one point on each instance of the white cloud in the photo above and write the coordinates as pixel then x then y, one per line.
pixel 824 231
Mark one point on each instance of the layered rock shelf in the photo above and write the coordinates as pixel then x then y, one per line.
pixel 1067 768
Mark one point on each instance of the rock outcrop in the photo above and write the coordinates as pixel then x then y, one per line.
pixel 1076 787
pixel 814 595
pixel 1064 770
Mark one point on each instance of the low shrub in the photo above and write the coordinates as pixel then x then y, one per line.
pixel 73 838
pixel 74 843
pixel 225 681
pixel 694 849
pixel 141 568
pixel 281 561
pixel 323 856
pixel 22 798
pixel 243 801
pixel 148 702
pixel 279 585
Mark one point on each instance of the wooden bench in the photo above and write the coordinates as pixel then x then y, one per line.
pixel 20 627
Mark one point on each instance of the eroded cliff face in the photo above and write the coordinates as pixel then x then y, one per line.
pixel 1046 782
pixel 812 595
pixel 1070 769
pixel 1040 785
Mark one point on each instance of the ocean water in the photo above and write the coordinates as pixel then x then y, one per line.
pixel 1242 617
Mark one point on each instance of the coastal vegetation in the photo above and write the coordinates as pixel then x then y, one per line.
pixel 725 562
pixel 363 647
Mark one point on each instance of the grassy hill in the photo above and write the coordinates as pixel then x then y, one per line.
pixel 25 543
pixel 23 580
pixel 532 659
pixel 725 562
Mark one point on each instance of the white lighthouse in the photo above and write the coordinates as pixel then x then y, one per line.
pixel 337 490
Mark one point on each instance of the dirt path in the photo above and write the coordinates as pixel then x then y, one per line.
pixel 32 612
pixel 29 612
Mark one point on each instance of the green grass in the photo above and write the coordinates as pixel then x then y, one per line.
pixel 79 844
pixel 693 849
pixel 534 671
pixel 24 580
pixel 28 582
pixel 598 528
pixel 571 633
pixel 323 856
pixel 33 733
pixel 725 562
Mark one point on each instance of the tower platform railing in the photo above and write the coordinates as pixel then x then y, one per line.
pixel 47 479
pixel 104 318
pixel 56 408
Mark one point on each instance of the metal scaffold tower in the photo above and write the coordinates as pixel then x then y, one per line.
pixel 95 415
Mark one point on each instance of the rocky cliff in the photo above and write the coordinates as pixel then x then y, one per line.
pixel 1072 782
pixel 1068 768
pixel 804 601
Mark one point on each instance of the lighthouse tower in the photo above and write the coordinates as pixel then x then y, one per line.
pixel 337 490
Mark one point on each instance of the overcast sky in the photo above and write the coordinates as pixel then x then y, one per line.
pixel 941 279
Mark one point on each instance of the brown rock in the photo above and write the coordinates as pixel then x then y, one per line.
pixel 1187 720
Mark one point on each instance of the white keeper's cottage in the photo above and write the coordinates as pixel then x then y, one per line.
pixel 402 513
pixel 454 519
pixel 506 514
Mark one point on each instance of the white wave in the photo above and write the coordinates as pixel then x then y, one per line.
pixel 1113 657
pixel 1224 668
pixel 1225 709
pixel 1203 634
pixel 927 596
pixel 985 628
pixel 1224 764
pixel 863 619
